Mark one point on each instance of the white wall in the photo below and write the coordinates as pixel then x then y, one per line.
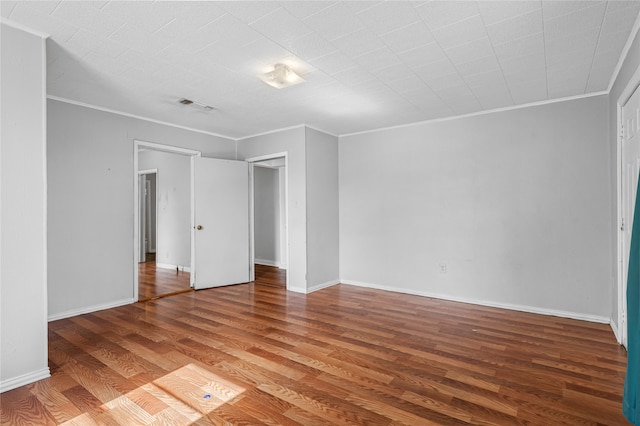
pixel 630 65
pixel 91 206
pixel 515 203
pixel 291 141
pixel 174 205
pixel 322 210
pixel 23 212
pixel 266 216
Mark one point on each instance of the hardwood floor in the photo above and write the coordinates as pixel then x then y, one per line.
pixel 154 282
pixel 255 354
pixel 270 275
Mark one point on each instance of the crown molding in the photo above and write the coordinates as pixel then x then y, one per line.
pixel 625 52
pixel 139 117
pixel 321 131
pixel 283 129
pixel 474 114
pixel 269 132
pixel 10 23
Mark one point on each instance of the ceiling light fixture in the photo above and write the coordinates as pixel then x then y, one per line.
pixel 202 106
pixel 282 76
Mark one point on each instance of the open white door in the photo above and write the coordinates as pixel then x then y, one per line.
pixel 221 238
pixel 629 184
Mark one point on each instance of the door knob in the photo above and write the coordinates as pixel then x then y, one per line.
pixel 199 227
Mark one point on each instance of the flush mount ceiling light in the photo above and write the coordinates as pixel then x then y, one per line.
pixel 282 76
pixel 195 104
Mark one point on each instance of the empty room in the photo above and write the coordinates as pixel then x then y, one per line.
pixel 319 212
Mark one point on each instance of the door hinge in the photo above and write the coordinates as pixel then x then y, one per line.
pixel 622 224
pixel 622 131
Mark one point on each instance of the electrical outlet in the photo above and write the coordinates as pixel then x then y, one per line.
pixel 442 268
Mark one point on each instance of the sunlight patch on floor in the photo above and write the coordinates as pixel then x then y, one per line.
pixel 181 397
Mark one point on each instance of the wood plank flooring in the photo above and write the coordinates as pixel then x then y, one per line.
pixel 254 354
pixel 154 282
pixel 270 275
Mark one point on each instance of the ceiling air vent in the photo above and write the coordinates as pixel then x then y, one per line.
pixel 204 107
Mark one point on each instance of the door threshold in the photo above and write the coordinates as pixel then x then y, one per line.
pixel 161 296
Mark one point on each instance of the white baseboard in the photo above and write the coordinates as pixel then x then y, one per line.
pixel 266 262
pixel 89 309
pixel 521 308
pixel 614 328
pixel 321 286
pixel 24 379
pixel 169 266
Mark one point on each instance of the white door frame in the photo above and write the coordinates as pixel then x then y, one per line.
pixel 137 145
pixel 621 334
pixel 252 253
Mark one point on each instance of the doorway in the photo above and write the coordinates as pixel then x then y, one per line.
pixel 163 220
pixel 269 220
pixel 148 206
pixel 627 176
pixel 213 236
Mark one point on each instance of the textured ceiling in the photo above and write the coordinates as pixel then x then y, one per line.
pixel 368 64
